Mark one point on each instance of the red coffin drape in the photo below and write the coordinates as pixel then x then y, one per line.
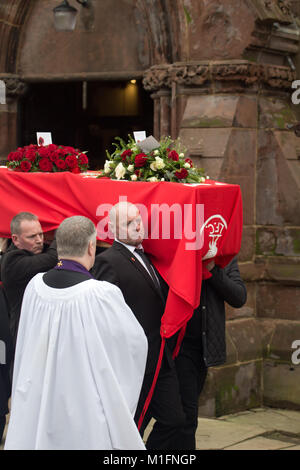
pixel 55 196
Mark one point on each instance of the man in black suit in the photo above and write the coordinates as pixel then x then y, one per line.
pixel 26 256
pixel 145 292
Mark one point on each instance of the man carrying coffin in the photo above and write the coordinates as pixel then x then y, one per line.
pixel 26 256
pixel 80 356
pixel 127 266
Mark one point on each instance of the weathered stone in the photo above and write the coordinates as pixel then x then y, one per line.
pixel 277 301
pixel 239 158
pixel 274 113
pixel 248 244
pixel 8 133
pixel 253 271
pixel 265 242
pixel 280 346
pixel 246 112
pixel 225 28
pixel 281 385
pixel 278 241
pixel 206 142
pixel 288 242
pixel 231 388
pixel 288 143
pixel 238 167
pixel 211 166
pixel 101 51
pixel 283 270
pixel 246 183
pixel 210 111
pixel 278 197
pixel 246 338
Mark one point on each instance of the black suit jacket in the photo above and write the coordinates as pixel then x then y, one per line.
pixel 18 267
pixel 120 267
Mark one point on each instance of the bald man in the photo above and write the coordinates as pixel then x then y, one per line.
pixel 145 292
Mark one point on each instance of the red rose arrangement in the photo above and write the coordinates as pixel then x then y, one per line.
pixel 166 163
pixel 49 158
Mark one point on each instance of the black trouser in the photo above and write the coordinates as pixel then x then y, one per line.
pixel 2 426
pixel 191 372
pixel 165 408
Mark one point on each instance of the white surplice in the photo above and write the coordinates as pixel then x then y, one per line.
pixel 79 366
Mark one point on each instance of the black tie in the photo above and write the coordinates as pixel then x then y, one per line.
pixel 149 267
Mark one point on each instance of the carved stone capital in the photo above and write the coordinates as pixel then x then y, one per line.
pixel 15 88
pixel 274 10
pixel 220 77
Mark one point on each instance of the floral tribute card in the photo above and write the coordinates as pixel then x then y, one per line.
pixel 44 138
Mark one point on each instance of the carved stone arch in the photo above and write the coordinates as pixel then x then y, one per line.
pixel 13 17
pixel 164 21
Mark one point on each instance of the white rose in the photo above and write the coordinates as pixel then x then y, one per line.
pixel 202 180
pixel 153 179
pixel 130 168
pixel 133 177
pixel 107 168
pixel 156 152
pixel 187 165
pixel 181 155
pixel 120 171
pixel 162 179
pixel 159 163
pixel 153 166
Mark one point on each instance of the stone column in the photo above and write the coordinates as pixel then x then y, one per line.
pixel 15 89
pixel 232 117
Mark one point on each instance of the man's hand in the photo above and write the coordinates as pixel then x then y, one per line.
pixel 210 265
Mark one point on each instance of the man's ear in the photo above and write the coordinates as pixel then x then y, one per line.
pixel 91 248
pixel 15 240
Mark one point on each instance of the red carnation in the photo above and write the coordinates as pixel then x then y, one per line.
pixel 25 165
pixel 43 152
pixel 17 156
pixel 126 153
pixel 61 164
pixel 71 161
pixel 70 150
pixel 52 147
pixel 182 174
pixel 45 165
pixel 188 160
pixel 140 160
pixel 173 155
pixel 83 159
pixel 30 154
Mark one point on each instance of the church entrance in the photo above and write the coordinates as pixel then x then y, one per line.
pixel 86 115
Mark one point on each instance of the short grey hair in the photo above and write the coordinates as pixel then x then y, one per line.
pixel 15 224
pixel 117 212
pixel 73 236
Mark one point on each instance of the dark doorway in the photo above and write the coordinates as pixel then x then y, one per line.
pixel 86 115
